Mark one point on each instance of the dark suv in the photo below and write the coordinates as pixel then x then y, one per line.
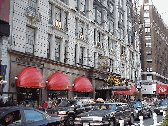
pixel 68 109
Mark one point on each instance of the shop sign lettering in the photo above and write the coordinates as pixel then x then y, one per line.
pixel 28 61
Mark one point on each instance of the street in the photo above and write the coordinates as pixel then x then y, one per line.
pixel 149 121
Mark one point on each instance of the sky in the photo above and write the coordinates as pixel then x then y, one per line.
pixel 162 8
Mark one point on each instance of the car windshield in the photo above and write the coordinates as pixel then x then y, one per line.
pixel 138 104
pixel 66 103
pixel 164 102
pixel 109 107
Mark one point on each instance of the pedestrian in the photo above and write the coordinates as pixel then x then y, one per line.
pixel 49 103
pixel 45 106
pixel 36 105
pixel 2 103
pixel 40 107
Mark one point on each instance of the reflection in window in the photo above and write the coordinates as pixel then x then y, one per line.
pixel 12 118
pixel 33 116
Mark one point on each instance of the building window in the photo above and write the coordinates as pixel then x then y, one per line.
pixel 146 8
pixel 147 37
pixel 147 29
pixel 76 4
pixel 122 51
pixel 110 45
pixel 94 36
pixel 32 3
pixel 111 66
pixel 75 54
pixel 149 61
pixel 81 56
pixel 99 17
pixel 148 52
pixel 121 3
pixel 60 16
pixel 57 49
pixel 147 22
pixel 65 20
pixel 149 69
pixel 94 59
pixel 50 14
pixel 110 7
pixel 64 1
pixel 88 58
pixel 146 14
pixel 148 44
pixel 100 39
pixel 81 30
pixel 76 27
pixel 83 6
pixel 65 53
pixel 110 25
pixel 149 78
pixel 30 38
pixel 48 46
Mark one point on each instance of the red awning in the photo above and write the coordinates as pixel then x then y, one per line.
pixel 130 92
pixel 82 84
pixel 30 77
pixel 59 81
pixel 160 89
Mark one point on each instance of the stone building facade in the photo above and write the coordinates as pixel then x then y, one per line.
pixel 88 38
pixel 154 43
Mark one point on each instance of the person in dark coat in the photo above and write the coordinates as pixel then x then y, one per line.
pixel 2 103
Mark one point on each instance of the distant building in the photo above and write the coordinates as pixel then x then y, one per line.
pixel 154 51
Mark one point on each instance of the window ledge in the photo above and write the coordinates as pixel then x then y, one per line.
pixel 60 29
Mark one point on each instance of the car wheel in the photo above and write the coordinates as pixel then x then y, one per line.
pixel 112 122
pixel 70 120
pixel 131 120
pixel 150 114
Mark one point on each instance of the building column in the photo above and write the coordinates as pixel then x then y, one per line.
pixel 52 47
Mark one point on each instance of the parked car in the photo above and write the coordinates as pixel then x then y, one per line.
pixel 142 109
pixel 105 114
pixel 68 109
pixel 160 107
pixel 26 116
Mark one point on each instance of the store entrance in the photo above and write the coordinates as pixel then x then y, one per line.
pixel 27 95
